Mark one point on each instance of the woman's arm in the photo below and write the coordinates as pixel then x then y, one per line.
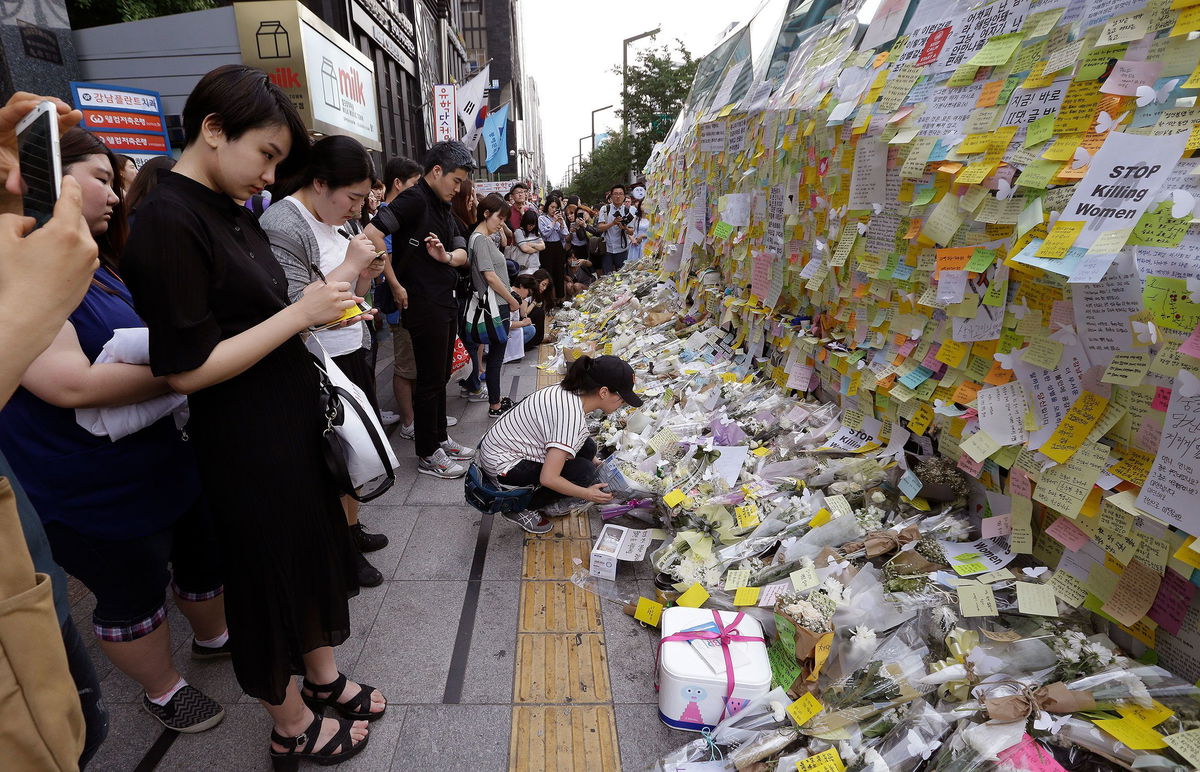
pixel 503 292
pixel 552 478
pixel 320 304
pixel 64 377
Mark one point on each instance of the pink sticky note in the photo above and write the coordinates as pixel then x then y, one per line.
pixel 1067 534
pixel 1148 435
pixel 1126 76
pixel 968 465
pixel 1029 756
pixel 1171 604
pixel 1063 314
pixel 1000 525
pixel 931 360
pixel 906 347
pixel 1162 397
pixel 1018 483
pixel 1191 346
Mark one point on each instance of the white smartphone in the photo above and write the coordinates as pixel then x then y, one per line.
pixel 40 161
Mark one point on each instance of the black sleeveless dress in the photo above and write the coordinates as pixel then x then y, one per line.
pixel 201 271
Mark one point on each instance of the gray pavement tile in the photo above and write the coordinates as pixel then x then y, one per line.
pixel 407 653
pixel 394 521
pixel 131 732
pixel 406 475
pixel 642 738
pixel 630 648
pixel 428 489
pixel 441 545
pixel 489 676
pixel 242 742
pixel 471 429
pixel 504 551
pixel 381 745
pixel 454 737
pixel 364 610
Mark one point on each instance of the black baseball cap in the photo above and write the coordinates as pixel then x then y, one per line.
pixel 616 374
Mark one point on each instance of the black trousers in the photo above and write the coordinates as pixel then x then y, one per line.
pixel 579 470
pixel 554 260
pixel 433 331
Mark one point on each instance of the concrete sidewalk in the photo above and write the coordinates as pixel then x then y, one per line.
pixel 468 604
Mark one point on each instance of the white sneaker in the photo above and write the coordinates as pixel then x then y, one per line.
pixel 457 452
pixel 440 465
pixel 451 421
pixel 530 520
pixel 387 417
pixel 476 396
pixel 408 432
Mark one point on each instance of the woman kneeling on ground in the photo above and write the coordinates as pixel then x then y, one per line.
pixel 544 440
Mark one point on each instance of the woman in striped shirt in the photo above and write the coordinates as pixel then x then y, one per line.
pixel 544 440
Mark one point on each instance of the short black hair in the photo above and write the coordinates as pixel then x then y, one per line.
pixel 244 98
pixel 517 185
pixel 451 155
pixel 399 168
pixel 336 160
pixel 618 185
pixel 491 203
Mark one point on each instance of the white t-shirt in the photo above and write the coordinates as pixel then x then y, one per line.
pixel 635 250
pixel 615 238
pixel 548 418
pixel 343 340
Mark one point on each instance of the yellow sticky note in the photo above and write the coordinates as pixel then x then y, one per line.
pixel 1187 554
pixel 1060 239
pixel 746 596
pixel 979 446
pixel 822 517
pixel 804 709
pixel 920 420
pixel 804 578
pixel 1036 599
pixel 747 516
pixel 737 577
pixel 1043 352
pixel 760 452
pixel 825 761
pixel 977 600
pixel 694 597
pixel 648 611
pixel 1151 716
pixel 1133 733
pixel 674 498
pixel 1186 744
pixel 1070 433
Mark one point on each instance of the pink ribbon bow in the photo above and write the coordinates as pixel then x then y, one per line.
pixel 727 634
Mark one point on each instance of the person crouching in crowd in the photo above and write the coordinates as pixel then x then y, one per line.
pixel 544 441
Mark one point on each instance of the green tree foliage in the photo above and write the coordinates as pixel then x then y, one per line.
pixel 604 167
pixel 93 13
pixel 658 83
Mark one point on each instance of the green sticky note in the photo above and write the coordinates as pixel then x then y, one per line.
pixel 998 50
pixel 722 230
pixel 1039 131
pixel 1037 174
pixel 997 294
pixel 1157 228
pixel 963 76
pixel 981 260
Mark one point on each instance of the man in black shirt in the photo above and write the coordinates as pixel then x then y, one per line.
pixel 427 247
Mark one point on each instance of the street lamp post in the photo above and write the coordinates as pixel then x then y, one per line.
pixel 624 85
pixel 597 110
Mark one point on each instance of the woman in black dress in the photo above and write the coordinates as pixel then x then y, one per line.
pixel 204 279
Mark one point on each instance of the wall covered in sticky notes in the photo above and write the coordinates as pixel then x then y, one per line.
pixel 976 225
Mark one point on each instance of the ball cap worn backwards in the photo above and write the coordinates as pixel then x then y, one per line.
pixel 617 375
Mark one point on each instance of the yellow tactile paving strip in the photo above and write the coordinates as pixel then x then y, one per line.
pixel 562 716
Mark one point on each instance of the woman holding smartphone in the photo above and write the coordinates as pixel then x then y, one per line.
pixel 308 228
pixel 123 511
pixel 222 330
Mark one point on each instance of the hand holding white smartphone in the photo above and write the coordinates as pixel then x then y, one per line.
pixel 40 161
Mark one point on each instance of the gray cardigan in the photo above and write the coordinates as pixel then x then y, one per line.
pixel 284 218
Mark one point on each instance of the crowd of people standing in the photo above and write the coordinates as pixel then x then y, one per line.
pixel 166 432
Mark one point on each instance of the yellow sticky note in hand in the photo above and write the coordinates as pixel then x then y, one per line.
pixel 804 709
pixel 648 611
pixel 746 596
pixel 694 597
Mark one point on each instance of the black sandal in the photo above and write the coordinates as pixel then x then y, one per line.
pixel 303 746
pixel 357 707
